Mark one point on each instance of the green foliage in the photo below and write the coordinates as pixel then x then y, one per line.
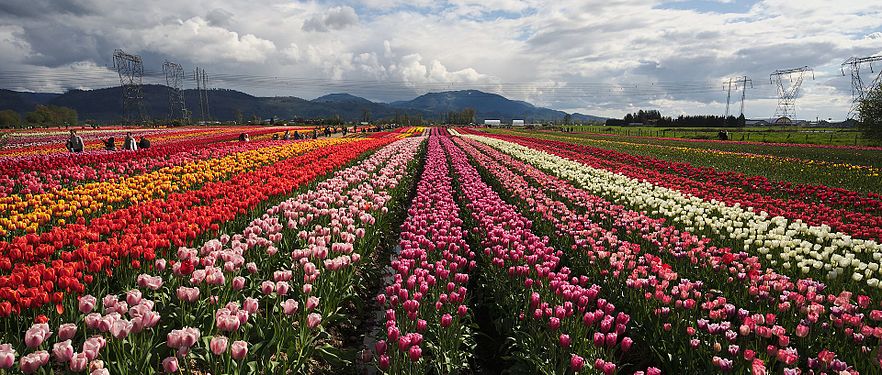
pixel 9 119
pixel 51 115
pixel 871 113
pixel 464 117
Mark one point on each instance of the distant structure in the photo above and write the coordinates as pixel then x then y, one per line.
pixel 787 93
pixel 742 81
pixel 131 73
pixel 174 79
pixel 517 122
pixel 858 88
pixel 202 88
pixel 492 122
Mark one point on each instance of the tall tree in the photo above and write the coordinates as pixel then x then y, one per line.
pixel 871 113
pixel 9 119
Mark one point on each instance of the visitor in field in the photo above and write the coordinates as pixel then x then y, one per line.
pixel 242 137
pixel 129 143
pixel 110 144
pixel 287 135
pixel 275 136
pixel 144 143
pixel 75 143
pixel 296 135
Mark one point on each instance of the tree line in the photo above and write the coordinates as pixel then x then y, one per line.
pixel 654 118
pixel 42 115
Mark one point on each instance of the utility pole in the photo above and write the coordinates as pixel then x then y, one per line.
pixel 728 98
pixel 787 94
pixel 858 89
pixel 744 82
pixel 131 73
pixel 174 78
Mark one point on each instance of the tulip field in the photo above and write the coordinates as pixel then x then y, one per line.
pixel 432 250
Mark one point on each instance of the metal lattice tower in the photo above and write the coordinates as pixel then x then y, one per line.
pixel 744 82
pixel 174 79
pixel 131 74
pixel 787 94
pixel 858 88
pixel 202 89
pixel 736 82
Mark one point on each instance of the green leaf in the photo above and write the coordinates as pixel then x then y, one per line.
pixel 336 357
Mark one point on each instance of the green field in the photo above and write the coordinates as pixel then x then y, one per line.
pixel 776 134
pixel 851 169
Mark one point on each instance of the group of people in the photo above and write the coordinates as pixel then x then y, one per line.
pixel 129 144
pixel 75 143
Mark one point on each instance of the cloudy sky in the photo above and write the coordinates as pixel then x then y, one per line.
pixel 602 57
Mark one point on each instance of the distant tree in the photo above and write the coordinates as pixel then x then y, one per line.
pixel 366 115
pixel 870 110
pixel 568 119
pixel 9 119
pixel 52 115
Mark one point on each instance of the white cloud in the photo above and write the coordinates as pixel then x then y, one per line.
pixel 335 18
pixel 593 56
pixel 199 41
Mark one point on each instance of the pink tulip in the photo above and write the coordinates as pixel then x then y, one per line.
pixel 313 320
pixel 30 363
pixel 384 362
pixel 218 345
pixel 564 340
pixel 187 294
pixel 79 362
pixel 380 347
pixel 92 346
pixel 63 351
pixel 7 356
pixel 289 307
pixel 282 288
pixel 267 287
pixel 238 283
pixel 67 331
pixel 100 371
pixel 121 328
pixel 35 335
pixel 311 303
pixel 87 304
pixel 250 305
pixel 415 353
pixel 170 364
pixel 576 363
pixel 446 320
pixel 239 350
pixel 133 297
pixel 626 344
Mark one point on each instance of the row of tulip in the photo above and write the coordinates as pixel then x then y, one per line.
pixel 426 301
pixel 856 175
pixel 38 174
pixel 831 196
pixel 752 143
pixel 40 212
pixel 43 268
pixel 559 320
pixel 54 144
pixel 701 182
pixel 672 284
pixel 791 247
pixel 310 249
pixel 200 291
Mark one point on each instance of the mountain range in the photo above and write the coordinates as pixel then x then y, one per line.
pixel 104 105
